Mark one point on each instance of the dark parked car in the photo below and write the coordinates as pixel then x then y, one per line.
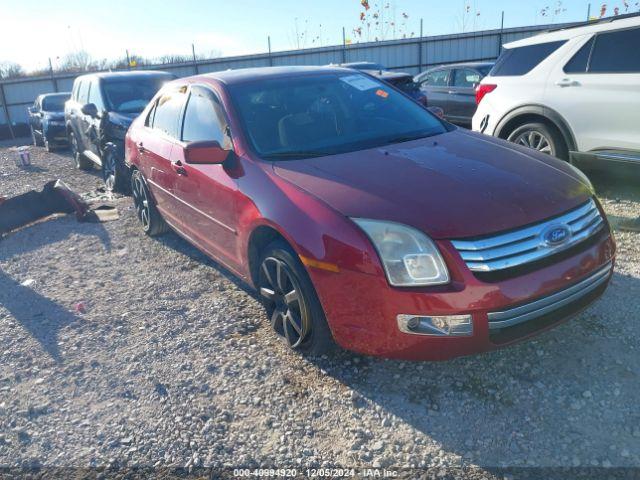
pixel 46 120
pixel 362 218
pixel 452 88
pixel 101 108
pixel 402 81
pixel 363 66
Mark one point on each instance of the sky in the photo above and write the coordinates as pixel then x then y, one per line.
pixel 31 31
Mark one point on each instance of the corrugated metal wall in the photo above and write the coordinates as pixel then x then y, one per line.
pixel 410 55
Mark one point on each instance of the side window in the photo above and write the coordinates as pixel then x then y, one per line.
pixel 465 77
pixel 203 118
pixel 95 96
pixel 439 78
pixel 521 60
pixel 616 52
pixel 580 61
pixel 83 92
pixel 167 113
pixel 148 122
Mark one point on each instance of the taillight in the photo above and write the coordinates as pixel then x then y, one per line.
pixel 482 90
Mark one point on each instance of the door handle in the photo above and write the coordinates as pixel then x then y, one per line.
pixel 567 82
pixel 141 148
pixel 177 166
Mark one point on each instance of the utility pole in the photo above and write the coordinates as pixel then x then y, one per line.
pixel 588 12
pixel 344 46
pixel 195 61
pixel 269 46
pixel 128 61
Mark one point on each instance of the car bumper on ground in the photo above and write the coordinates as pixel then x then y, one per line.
pixel 368 316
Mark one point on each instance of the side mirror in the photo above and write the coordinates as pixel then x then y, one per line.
pixel 31 109
pixel 90 109
pixel 207 152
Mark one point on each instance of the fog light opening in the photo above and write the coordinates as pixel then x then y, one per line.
pixel 442 326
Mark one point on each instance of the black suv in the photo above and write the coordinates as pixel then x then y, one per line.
pixel 101 108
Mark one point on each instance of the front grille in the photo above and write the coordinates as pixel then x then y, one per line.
pixel 550 303
pixel 527 245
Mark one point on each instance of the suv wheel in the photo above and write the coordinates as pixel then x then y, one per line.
pixel 80 161
pixel 291 302
pixel 114 171
pixel 540 137
pixel 152 222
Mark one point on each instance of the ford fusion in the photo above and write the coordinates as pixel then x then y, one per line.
pixel 361 218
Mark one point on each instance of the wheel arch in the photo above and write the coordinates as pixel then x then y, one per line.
pixel 526 113
pixel 259 238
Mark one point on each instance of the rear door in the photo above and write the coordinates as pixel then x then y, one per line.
pixel 84 122
pixel 596 88
pixel 155 145
pixel 462 96
pixel 435 86
pixel 93 123
pixel 207 192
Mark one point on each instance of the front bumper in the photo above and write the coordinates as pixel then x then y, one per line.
pixel 362 309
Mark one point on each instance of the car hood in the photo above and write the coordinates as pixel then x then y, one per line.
pixel 458 184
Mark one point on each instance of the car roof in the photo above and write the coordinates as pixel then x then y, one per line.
pixel 572 32
pixel 242 75
pixel 127 74
pixel 56 94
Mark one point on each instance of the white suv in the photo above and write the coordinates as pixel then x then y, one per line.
pixel 572 93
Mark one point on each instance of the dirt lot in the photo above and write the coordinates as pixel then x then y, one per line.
pixel 172 363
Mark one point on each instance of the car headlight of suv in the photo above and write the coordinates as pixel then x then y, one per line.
pixel 409 257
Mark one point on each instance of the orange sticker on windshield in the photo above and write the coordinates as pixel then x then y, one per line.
pixel 382 93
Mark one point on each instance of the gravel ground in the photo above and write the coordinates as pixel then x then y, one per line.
pixel 168 361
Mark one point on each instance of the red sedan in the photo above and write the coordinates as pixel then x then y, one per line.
pixel 363 219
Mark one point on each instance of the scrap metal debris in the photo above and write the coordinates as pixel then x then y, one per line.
pixel 55 197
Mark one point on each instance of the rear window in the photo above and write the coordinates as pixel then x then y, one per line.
pixel 616 52
pixel 131 95
pixel 521 60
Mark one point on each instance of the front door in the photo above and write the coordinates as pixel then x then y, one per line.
pixel 435 86
pixel 207 192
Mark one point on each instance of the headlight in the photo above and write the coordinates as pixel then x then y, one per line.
pixel 409 257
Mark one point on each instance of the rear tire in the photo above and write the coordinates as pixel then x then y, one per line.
pixel 37 142
pixel 541 137
pixel 152 222
pixel 291 302
pixel 80 161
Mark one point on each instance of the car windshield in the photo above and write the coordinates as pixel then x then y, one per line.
pixel 131 95
pixel 54 103
pixel 326 114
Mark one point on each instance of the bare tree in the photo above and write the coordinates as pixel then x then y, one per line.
pixel 77 61
pixel 11 69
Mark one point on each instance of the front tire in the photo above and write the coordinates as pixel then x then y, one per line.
pixel 114 172
pixel 152 222
pixel 80 161
pixel 540 137
pixel 291 302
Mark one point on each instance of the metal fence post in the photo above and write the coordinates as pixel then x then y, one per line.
pixel 269 45
pixel 344 46
pixel 128 60
pixel 195 61
pixel 420 48
pixel 500 36
pixel 53 77
pixel 3 99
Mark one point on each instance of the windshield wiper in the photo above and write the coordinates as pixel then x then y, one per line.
pixel 295 154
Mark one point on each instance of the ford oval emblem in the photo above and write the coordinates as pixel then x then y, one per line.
pixel 556 235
